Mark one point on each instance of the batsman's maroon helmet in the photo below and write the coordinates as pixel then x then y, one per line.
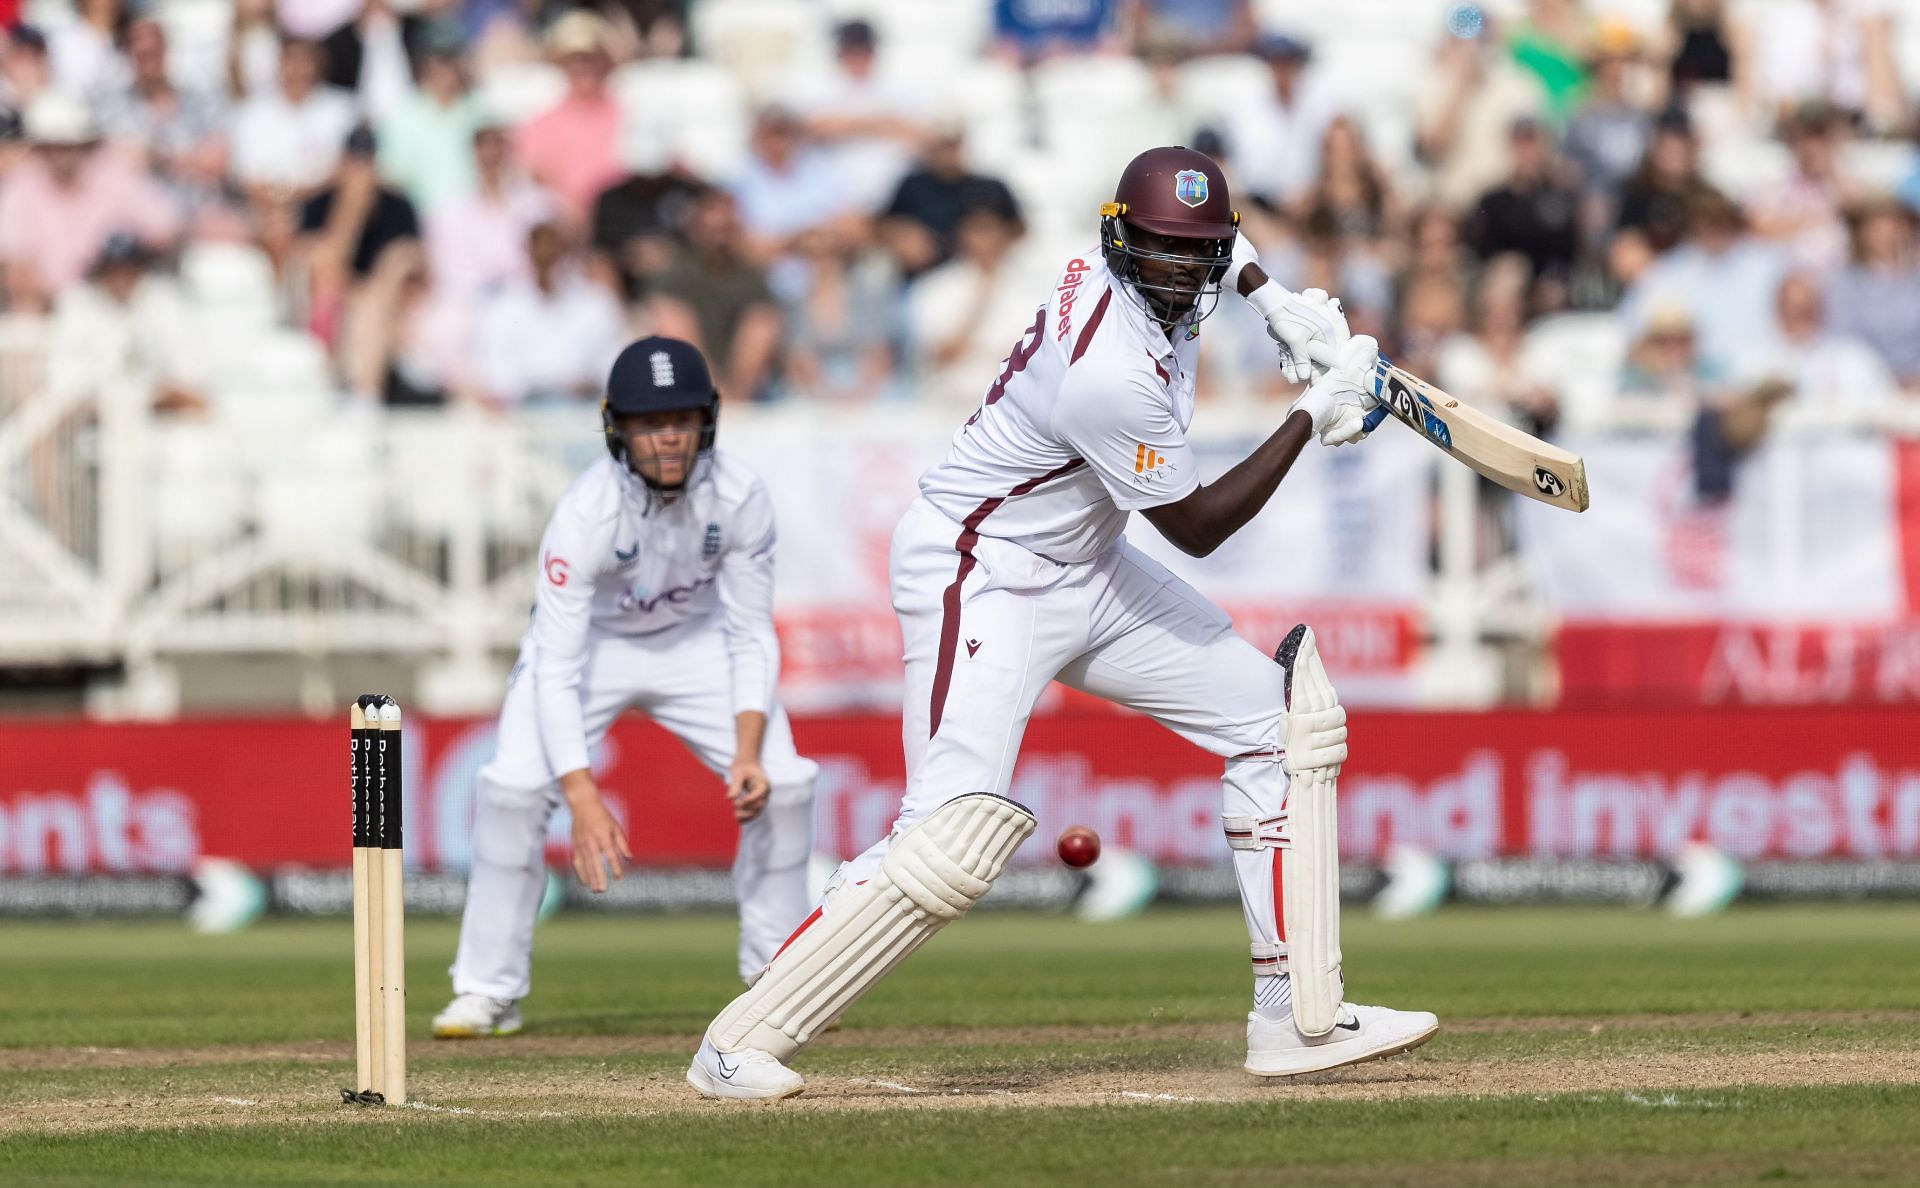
pixel 1179 193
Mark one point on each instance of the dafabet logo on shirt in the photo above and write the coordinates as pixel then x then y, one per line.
pixel 1147 461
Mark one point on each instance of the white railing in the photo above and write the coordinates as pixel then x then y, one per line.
pixel 314 530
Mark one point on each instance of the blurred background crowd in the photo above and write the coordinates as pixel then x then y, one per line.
pixel 1601 210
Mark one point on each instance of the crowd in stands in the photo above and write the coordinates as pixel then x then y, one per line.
pixel 1562 207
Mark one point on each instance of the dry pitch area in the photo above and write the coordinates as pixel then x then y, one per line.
pixel 1577 1046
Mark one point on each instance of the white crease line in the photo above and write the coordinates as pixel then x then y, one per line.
pixel 247 1101
pixel 886 1085
pixel 1162 1097
pixel 439 1109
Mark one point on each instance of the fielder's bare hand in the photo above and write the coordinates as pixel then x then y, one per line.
pixel 598 842
pixel 747 789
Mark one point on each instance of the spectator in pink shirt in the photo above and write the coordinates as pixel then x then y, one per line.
pixel 477 243
pixel 573 147
pixel 58 207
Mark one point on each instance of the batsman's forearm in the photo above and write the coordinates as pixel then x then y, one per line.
pixel 1205 519
pixel 1251 278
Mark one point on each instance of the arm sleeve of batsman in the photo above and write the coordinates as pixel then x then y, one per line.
pixel 563 603
pixel 746 595
pixel 1128 436
pixel 1295 321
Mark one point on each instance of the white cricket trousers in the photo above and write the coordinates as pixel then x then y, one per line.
pixel 986 624
pixel 679 678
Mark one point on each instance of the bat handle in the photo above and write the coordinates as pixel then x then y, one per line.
pixel 1372 420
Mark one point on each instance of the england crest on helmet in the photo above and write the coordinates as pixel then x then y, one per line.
pixel 1190 187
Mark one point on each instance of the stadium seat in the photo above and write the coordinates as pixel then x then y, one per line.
pixel 197 494
pixel 1584 351
pixel 518 91
pixel 685 110
pixel 235 277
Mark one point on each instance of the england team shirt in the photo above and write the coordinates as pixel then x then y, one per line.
pixel 1086 421
pixel 617 560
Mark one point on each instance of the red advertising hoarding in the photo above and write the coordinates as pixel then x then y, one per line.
pixel 80 798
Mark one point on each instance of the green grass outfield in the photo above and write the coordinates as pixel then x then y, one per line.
pixel 1577 1046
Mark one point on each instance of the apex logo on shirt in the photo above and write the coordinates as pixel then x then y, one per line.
pixel 623 556
pixel 1148 461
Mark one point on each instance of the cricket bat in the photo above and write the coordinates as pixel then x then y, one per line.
pixel 1518 461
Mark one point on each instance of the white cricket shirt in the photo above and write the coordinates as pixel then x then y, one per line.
pixel 616 560
pixel 1086 422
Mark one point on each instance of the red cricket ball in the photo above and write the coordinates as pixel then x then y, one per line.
pixel 1078 846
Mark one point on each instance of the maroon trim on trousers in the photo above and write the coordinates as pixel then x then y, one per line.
pixel 1086 332
pixel 950 601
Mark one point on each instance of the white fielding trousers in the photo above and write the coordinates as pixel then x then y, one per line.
pixel 986 624
pixel 680 679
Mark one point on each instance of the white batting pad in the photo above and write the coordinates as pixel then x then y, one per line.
pixel 1310 869
pixel 932 874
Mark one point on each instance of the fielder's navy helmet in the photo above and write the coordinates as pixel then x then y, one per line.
pixel 659 374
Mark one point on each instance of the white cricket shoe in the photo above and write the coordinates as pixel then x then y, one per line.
pixel 746 1075
pixel 473 1016
pixel 1363 1033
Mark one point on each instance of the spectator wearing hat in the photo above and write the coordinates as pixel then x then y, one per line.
pixel 126 321
pixel 179 132
pixel 346 227
pixel 287 140
pixel 1609 131
pixel 1876 297
pixel 868 123
pixel 552 337
pixel 573 148
pixel 426 140
pixel 921 221
pixel 58 207
pixel 1276 141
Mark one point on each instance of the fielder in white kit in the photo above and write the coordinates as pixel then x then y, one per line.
pixel 655 591
pixel 1010 570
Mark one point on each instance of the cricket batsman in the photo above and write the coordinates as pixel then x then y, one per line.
pixel 655 591
pixel 1011 570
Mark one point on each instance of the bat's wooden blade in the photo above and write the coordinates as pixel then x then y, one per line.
pixel 1518 461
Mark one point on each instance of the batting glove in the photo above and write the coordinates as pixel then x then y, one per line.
pixel 1339 401
pixel 1295 321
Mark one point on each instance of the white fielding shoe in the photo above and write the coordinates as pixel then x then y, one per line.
pixel 474 1016
pixel 746 1075
pixel 1363 1033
